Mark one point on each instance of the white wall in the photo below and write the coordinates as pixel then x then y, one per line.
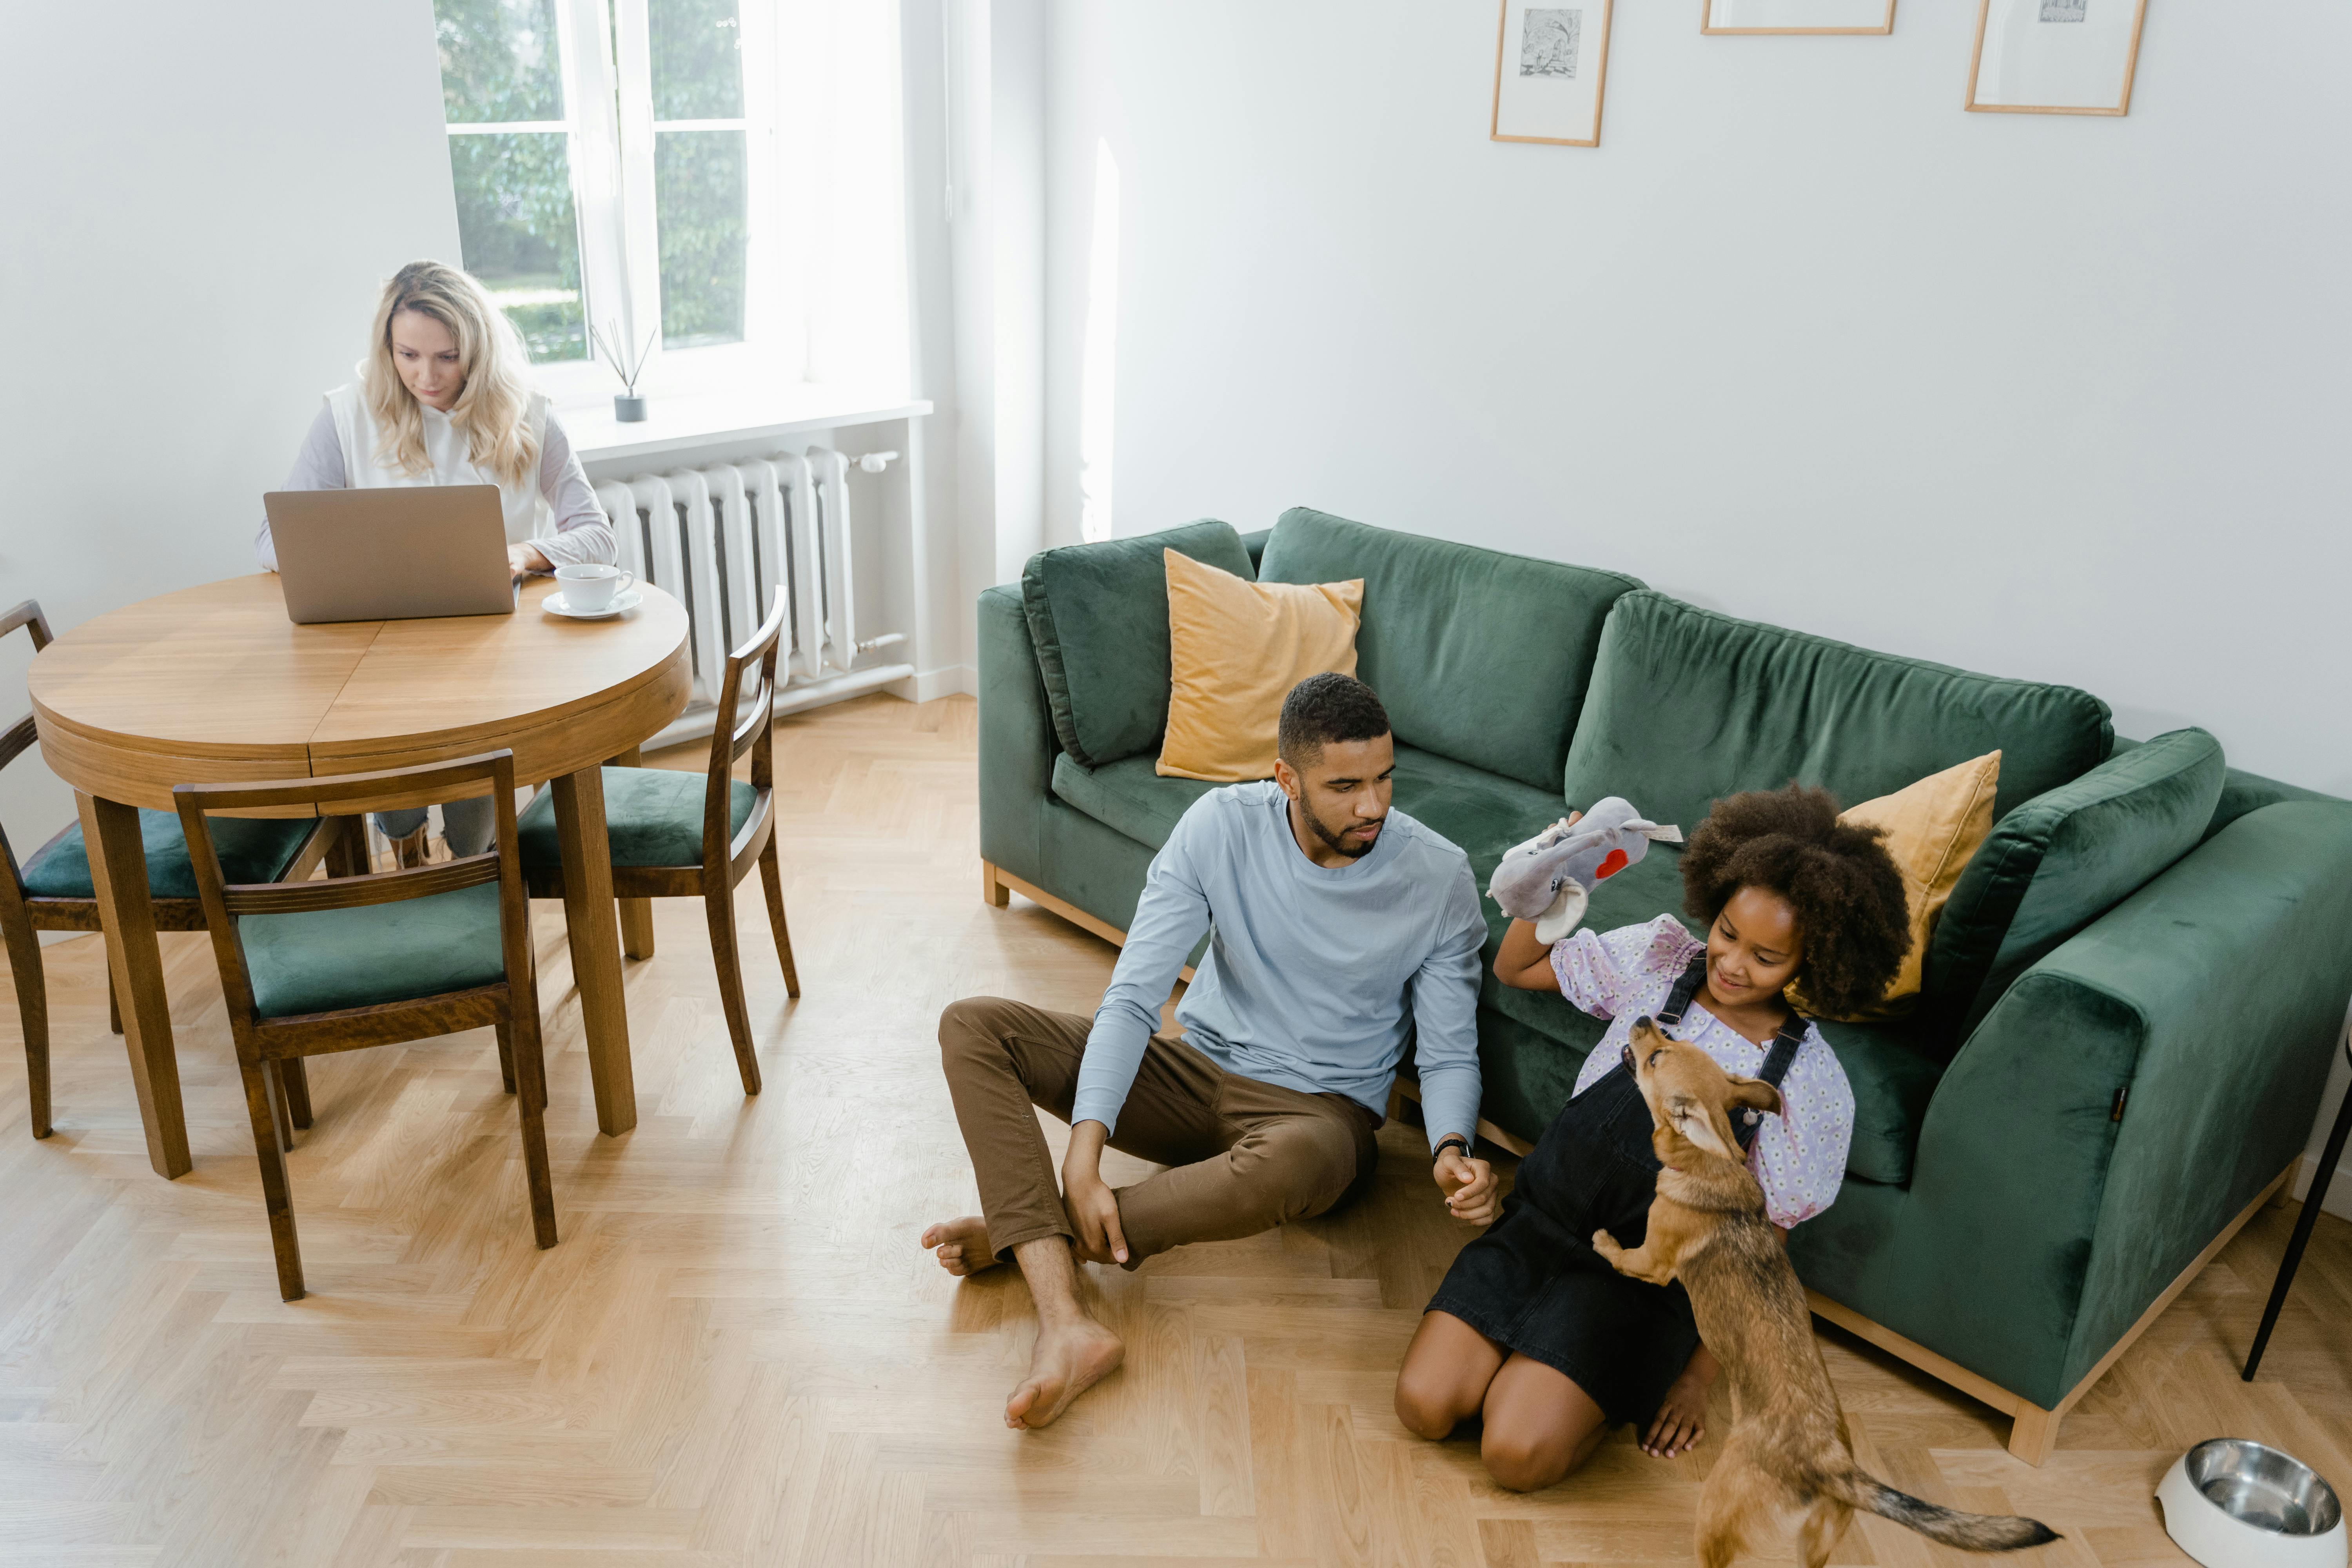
pixel 2052 397
pixel 201 204
pixel 2047 396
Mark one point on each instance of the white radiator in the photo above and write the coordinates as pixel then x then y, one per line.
pixel 722 539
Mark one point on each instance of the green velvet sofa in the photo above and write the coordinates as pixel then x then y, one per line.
pixel 2126 1011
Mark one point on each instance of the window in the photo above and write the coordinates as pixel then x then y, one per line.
pixel 615 166
pixel 510 163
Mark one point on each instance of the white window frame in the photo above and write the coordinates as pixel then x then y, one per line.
pixel 610 131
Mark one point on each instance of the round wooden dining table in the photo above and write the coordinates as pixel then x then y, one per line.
pixel 214 684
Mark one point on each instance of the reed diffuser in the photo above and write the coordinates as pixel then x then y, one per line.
pixel 627 407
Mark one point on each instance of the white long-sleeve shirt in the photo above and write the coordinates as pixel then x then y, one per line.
pixel 582 531
pixel 1315 977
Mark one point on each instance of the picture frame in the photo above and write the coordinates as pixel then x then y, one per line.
pixel 1552 69
pixel 1753 18
pixel 2055 57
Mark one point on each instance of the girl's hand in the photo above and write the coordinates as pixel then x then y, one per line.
pixel 524 558
pixel 1681 1422
pixel 1468 1186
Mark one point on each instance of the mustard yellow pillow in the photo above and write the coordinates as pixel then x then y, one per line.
pixel 1932 828
pixel 1235 650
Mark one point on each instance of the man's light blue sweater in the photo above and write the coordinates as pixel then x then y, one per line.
pixel 1315 976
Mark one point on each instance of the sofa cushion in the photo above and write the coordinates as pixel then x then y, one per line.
pixel 1930 831
pixel 1892 1076
pixel 1478 655
pixel 1235 650
pixel 251 849
pixel 2062 859
pixel 653 817
pixel 1098 618
pixel 1132 795
pixel 323 959
pixel 1687 706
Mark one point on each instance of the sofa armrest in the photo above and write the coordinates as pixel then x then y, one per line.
pixel 1017 744
pixel 2045 1212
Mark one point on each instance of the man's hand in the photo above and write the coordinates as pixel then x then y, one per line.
pixel 1093 1207
pixel 1468 1186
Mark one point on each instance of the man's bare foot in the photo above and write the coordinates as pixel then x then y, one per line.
pixel 1072 1356
pixel 961 1244
pixel 1681 1421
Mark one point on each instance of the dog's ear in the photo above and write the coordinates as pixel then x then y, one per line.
pixel 1702 1126
pixel 1755 1094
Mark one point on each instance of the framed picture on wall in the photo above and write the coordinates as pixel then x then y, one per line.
pixel 1734 17
pixel 1550 62
pixel 2055 57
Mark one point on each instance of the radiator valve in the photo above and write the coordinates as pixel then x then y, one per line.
pixel 874 462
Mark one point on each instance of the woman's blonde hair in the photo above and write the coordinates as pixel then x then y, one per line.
pixel 493 405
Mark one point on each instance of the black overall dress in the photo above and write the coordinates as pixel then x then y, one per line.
pixel 1533 1284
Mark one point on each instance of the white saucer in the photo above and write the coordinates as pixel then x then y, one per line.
pixel 627 600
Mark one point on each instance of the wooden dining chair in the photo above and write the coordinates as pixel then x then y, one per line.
pixel 311 968
pixel 54 890
pixel 676 836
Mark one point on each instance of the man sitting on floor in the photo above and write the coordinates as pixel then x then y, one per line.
pixel 1340 928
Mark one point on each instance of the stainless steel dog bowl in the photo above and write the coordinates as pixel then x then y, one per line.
pixel 2231 1502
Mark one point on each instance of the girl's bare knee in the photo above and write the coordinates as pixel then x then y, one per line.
pixel 1523 1461
pixel 1519 1466
pixel 1424 1406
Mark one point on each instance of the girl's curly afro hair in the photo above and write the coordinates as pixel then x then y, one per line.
pixel 1847 893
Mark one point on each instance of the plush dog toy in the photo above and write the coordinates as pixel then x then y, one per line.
pixel 1549 879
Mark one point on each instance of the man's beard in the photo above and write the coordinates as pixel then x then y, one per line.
pixel 1336 841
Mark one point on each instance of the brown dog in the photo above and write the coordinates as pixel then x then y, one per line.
pixel 1788 1450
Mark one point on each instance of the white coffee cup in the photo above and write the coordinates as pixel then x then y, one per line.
pixel 592 586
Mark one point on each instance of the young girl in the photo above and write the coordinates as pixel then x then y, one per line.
pixel 1532 1328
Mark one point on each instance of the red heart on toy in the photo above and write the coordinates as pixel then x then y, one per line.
pixel 1616 861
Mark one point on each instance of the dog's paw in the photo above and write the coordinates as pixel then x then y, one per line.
pixel 1605 1243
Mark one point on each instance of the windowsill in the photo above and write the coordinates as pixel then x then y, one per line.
pixel 678 422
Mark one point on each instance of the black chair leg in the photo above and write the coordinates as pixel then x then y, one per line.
pixel 2312 1203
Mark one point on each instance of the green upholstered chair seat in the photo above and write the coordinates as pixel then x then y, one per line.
pixel 252 849
pixel 652 815
pixel 323 959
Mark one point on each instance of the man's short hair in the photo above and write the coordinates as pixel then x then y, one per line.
pixel 1326 708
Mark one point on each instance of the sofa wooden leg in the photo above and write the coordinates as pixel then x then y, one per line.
pixel 2033 1433
pixel 996 894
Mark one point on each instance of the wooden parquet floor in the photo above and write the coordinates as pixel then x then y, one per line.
pixel 738 1354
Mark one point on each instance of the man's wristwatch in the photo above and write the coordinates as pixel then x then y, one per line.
pixel 1451 1140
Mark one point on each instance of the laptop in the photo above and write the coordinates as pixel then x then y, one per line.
pixel 397 554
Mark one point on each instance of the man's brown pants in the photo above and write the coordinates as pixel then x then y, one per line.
pixel 1244 1156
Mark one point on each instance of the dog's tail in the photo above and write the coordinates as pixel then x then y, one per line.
pixel 1970 1531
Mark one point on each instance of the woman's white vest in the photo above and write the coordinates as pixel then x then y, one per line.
pixel 526 510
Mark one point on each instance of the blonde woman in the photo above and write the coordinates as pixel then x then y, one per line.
pixel 442 400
